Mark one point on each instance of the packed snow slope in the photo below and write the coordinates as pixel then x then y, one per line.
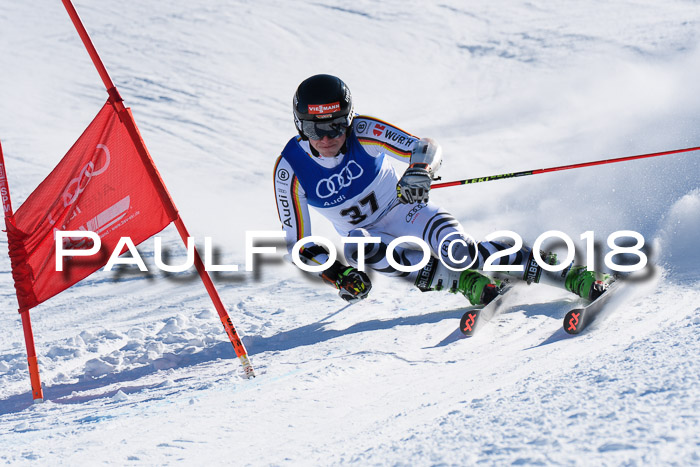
pixel 137 368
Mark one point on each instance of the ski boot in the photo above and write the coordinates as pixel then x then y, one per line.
pixel 586 284
pixel 576 279
pixel 477 288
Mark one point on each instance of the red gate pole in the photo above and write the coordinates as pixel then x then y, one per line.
pixel 127 119
pixel 35 380
pixel 37 392
pixel 238 346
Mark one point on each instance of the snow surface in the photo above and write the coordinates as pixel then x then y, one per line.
pixel 137 369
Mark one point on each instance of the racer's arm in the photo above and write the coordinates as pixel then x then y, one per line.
pixel 292 207
pixel 377 137
pixel 423 155
pixel 293 211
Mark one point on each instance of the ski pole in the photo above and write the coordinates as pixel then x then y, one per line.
pixel 490 178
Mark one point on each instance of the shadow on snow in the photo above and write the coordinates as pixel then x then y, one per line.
pixel 310 334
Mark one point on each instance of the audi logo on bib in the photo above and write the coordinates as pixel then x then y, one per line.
pixel 332 185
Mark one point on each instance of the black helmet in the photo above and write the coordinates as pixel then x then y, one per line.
pixel 322 107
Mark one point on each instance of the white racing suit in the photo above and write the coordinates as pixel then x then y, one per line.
pixel 356 191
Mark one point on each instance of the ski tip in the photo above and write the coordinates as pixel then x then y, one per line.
pixel 468 322
pixel 573 321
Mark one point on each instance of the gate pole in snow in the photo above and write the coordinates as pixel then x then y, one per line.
pixel 127 119
pixel 238 346
pixel 37 393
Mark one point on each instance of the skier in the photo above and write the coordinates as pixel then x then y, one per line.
pixel 338 165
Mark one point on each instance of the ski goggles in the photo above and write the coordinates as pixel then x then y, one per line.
pixel 317 130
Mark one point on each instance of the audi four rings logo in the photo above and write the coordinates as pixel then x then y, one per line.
pixel 332 185
pixel 79 183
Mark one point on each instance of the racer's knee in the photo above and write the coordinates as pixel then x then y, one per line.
pixel 371 249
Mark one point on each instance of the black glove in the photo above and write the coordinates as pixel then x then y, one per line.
pixel 352 285
pixel 414 186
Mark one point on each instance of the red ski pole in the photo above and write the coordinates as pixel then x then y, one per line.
pixel 490 178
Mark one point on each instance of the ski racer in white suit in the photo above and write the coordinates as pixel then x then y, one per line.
pixel 338 165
